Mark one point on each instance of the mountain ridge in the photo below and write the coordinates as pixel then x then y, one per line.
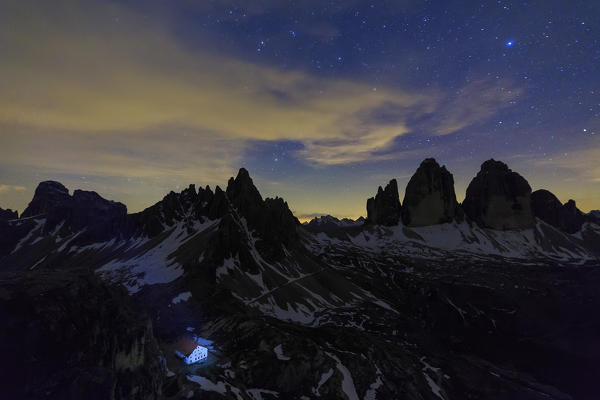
pixel 97 219
pixel 295 309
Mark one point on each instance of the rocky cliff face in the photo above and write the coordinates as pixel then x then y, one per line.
pixel 566 217
pixel 188 206
pixel 429 198
pixel 271 218
pixel 8 238
pixel 50 198
pixel 499 198
pixel 102 219
pixel 86 211
pixel 573 217
pixel 384 208
pixel 67 335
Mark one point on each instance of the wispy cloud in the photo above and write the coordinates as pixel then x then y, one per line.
pixel 87 87
pixel 581 163
pixel 472 104
pixel 11 188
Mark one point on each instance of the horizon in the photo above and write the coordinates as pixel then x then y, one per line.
pixel 322 104
pixel 301 217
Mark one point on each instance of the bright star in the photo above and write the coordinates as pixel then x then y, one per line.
pixel 509 43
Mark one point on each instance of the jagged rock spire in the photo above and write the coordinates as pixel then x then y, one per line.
pixel 242 193
pixel 384 208
pixel 429 198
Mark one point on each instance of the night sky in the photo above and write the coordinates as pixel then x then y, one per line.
pixel 321 101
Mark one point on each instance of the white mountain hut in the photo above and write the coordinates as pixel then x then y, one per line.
pixel 190 351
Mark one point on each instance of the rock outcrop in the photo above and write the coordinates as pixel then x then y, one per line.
pixel 51 199
pixel 187 206
pixel 68 335
pixel 573 217
pixel 270 218
pixel 9 236
pixel 102 219
pixel 429 198
pixel 97 218
pixel 8 214
pixel 566 217
pixel 384 208
pixel 499 198
pixel 594 216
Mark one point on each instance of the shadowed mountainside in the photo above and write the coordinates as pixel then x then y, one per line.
pixel 430 299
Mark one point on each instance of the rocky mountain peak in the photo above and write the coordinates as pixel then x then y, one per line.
pixel 85 211
pixel 429 198
pixel 242 193
pixel 571 205
pixel 49 196
pixel 566 217
pixel 499 198
pixel 272 218
pixel 573 216
pixel 190 191
pixel 92 211
pixel 494 165
pixel 384 208
pixel 51 187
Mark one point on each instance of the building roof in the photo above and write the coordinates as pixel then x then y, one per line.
pixel 186 346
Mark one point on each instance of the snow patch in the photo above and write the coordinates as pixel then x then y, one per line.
pixel 433 385
pixel 153 266
pixel 185 296
pixel 229 265
pixel 208 385
pixel 257 394
pixel 385 305
pixel 347 382
pixel 38 225
pixel 372 392
pixel 279 353
pixel 324 378
pixel 41 260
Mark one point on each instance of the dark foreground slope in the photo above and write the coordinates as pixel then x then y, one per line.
pixel 67 335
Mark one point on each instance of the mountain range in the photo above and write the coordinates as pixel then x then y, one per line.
pixel 492 298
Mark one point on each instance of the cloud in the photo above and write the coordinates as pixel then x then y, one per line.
pixel 132 77
pixel 582 163
pixel 11 188
pixel 103 90
pixel 474 103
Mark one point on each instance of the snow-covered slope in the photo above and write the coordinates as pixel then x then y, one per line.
pixel 541 242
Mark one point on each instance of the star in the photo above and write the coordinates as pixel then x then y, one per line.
pixel 509 43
